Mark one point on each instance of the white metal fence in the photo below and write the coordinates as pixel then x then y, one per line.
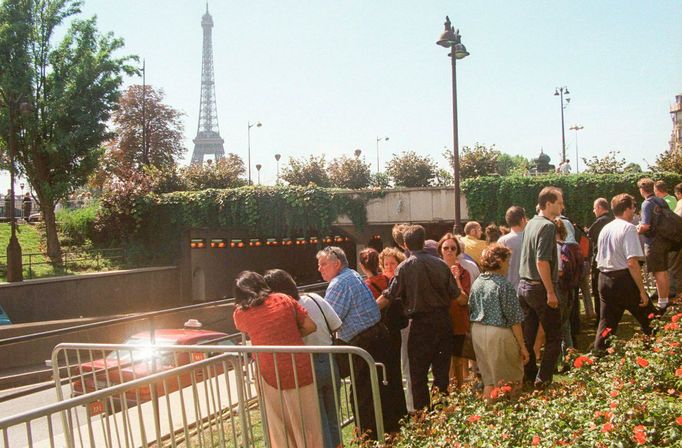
pixel 176 396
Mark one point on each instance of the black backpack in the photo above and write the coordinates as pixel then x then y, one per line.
pixel 667 224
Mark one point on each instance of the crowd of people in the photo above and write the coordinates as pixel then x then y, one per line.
pixel 497 306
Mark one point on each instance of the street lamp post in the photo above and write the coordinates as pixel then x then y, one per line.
pixel 560 92
pixel 258 167
pixel 576 128
pixel 450 38
pixel 378 140
pixel 277 157
pixel 256 124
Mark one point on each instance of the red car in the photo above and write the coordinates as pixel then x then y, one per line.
pixel 119 367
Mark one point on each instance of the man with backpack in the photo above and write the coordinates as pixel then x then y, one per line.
pixel 656 245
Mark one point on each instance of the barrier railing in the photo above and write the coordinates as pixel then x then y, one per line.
pixel 217 398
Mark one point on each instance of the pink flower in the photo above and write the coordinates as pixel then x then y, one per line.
pixel 536 440
pixel 606 332
pixel 678 372
pixel 614 393
pixel 651 315
pixel 608 427
pixel 642 362
pixel 473 418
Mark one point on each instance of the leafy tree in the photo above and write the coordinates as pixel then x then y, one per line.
pixel 411 170
pixel 224 173
pixel 508 165
pixel 304 172
pixel 71 87
pixel 444 178
pixel 611 163
pixel 164 129
pixel 632 168
pixel 669 161
pixel 347 172
pixel 380 180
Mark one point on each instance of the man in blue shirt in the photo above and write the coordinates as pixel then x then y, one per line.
pixel 656 249
pixel 361 326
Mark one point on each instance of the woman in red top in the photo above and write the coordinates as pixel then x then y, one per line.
pixel 276 319
pixel 393 397
pixel 449 247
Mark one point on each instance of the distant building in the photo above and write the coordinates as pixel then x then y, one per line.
pixel 676 115
pixel 541 165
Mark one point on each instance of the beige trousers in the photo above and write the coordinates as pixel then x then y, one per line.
pixel 293 416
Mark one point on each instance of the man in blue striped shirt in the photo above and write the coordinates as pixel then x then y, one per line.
pixel 361 326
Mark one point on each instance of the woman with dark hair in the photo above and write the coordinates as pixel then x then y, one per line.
pixel 492 233
pixel 276 319
pixel 326 373
pixel 496 315
pixel 393 317
pixel 449 249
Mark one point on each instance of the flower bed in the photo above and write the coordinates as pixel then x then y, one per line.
pixel 632 396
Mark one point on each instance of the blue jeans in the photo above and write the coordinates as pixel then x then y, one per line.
pixel 326 385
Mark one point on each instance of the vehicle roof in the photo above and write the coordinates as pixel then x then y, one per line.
pixel 180 336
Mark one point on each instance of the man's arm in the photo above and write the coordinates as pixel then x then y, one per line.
pixel 636 274
pixel 546 275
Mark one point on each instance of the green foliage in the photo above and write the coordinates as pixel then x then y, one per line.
pixel 380 180
pixel 628 398
pixel 632 168
pixel 155 222
pixel 444 178
pixel 408 169
pixel 78 224
pixel 304 172
pixel 508 165
pixel 489 197
pixel 477 161
pixel 669 161
pixel 224 173
pixel 346 172
pixel 611 163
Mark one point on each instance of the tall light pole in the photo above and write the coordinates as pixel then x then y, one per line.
pixel 560 92
pixel 277 157
pixel 576 128
pixel 256 124
pixel 378 140
pixel 258 167
pixel 145 147
pixel 450 38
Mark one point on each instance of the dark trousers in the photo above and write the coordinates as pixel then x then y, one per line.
pixel 618 293
pixel 595 293
pixel 429 345
pixel 375 341
pixel 533 298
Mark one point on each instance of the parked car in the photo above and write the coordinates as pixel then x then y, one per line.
pixel 4 318
pixel 123 366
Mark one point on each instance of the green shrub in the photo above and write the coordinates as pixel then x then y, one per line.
pixel 489 197
pixel 78 224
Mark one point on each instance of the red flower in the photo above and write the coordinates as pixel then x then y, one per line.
pixel 678 372
pixel 671 326
pixel 642 362
pixel 678 420
pixel 506 389
pixel 608 427
pixel 536 440
pixel 639 434
pixel 606 332
pixel 651 315
pixel 613 405
pixel 473 418
pixel 674 344
pixel 495 393
pixel 614 393
pixel 581 360
pixel 676 317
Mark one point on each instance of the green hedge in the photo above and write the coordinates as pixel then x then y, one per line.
pixel 78 224
pixel 489 197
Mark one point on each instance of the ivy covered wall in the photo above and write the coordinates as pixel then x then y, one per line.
pixel 489 197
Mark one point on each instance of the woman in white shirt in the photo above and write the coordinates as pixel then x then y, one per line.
pixel 326 372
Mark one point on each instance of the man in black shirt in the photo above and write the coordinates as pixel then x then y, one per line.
pixel 601 211
pixel 427 287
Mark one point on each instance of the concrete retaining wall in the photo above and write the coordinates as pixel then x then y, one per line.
pixel 91 295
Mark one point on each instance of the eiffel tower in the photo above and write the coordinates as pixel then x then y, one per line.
pixel 208 140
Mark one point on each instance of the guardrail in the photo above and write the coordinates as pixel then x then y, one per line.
pixel 215 401
pixel 96 256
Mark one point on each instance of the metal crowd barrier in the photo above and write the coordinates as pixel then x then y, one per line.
pixel 203 395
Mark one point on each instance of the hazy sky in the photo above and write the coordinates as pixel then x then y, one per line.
pixel 327 77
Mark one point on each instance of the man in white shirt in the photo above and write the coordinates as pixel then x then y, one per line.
pixel 516 220
pixel 620 276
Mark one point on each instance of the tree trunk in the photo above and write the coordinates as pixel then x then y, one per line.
pixel 54 250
